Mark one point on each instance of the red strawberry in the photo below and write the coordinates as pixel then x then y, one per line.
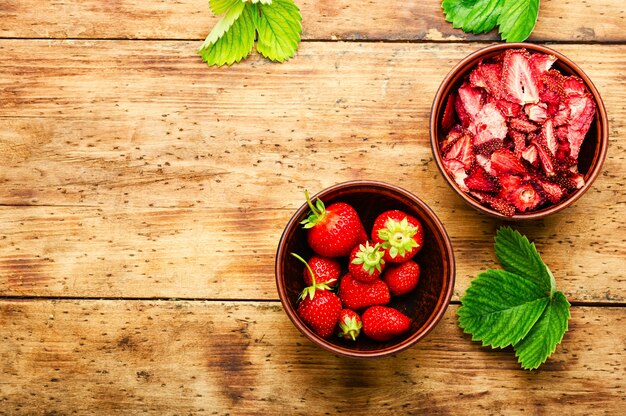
pixel 357 295
pixel 333 231
pixel 522 124
pixel 462 150
pixel 402 278
pixel 447 120
pixel 320 309
pixel 488 124
pixel 366 262
pixel 489 77
pixel 479 180
pixel 520 193
pixel 496 203
pixel 382 324
pixel 321 270
pixel 400 234
pixel 505 162
pixel 519 80
pixel 456 170
pixel 349 324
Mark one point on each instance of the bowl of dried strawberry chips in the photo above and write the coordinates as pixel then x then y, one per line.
pixel 364 269
pixel 518 130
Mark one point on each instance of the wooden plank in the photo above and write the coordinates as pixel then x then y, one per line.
pixel 323 19
pixel 145 124
pixel 66 357
pixel 119 142
pixel 204 253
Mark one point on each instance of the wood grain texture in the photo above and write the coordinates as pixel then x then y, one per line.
pixel 149 166
pixel 204 254
pixel 558 20
pixel 79 357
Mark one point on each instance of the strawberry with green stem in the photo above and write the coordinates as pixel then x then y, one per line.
pixel 400 234
pixel 335 230
pixel 319 308
pixel 366 262
pixel 349 324
pixel 325 269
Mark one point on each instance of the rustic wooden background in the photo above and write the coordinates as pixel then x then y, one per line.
pixel 142 196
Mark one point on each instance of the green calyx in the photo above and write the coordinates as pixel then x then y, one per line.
pixel 318 212
pixel 310 290
pixel 371 257
pixel 350 328
pixel 397 237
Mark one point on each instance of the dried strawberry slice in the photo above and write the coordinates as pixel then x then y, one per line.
pixel 489 77
pixel 462 150
pixel 488 124
pixel 551 191
pixel 496 203
pixel 537 112
pixel 508 109
pixel 519 193
pixel 569 180
pixel 530 155
pixel 541 62
pixel 546 159
pixel 453 136
pixel 479 180
pixel 519 80
pixel 562 115
pixel 549 96
pixel 447 120
pixel 489 147
pixel 522 124
pixel 505 162
pixel 456 170
pixel 519 142
pixel 553 80
pixel 485 163
pixel 470 99
pixel 573 85
pixel 548 138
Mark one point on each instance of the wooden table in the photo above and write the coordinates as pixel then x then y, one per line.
pixel 142 197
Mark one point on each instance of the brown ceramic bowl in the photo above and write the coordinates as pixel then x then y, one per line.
pixel 425 305
pixel 592 153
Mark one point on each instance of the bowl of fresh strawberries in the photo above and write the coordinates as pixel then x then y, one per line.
pixel 364 269
pixel 518 130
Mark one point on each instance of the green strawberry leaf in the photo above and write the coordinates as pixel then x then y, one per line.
pixel 520 256
pixel 222 26
pixel 279 26
pixel 473 16
pixel 221 6
pixel 535 348
pixel 516 18
pixel 234 44
pixel 499 308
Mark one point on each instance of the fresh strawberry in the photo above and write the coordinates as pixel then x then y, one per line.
pixel 349 324
pixel 366 262
pixel 321 270
pixel 381 323
pixel 319 309
pixel 335 230
pixel 357 295
pixel 519 80
pixel 447 120
pixel 505 162
pixel 402 277
pixel 479 180
pixel 400 234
